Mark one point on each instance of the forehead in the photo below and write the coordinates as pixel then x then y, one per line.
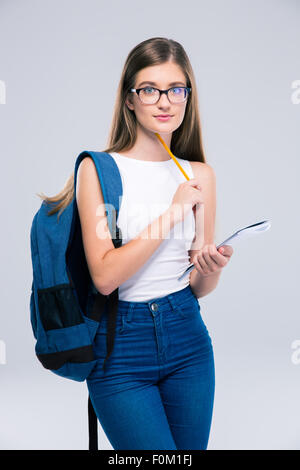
pixel 162 74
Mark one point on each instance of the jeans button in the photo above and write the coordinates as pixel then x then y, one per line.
pixel 154 307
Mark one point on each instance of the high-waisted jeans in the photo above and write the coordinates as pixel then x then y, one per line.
pixel 157 388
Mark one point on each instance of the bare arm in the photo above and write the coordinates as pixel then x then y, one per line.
pixel 203 285
pixel 121 263
pixel 109 266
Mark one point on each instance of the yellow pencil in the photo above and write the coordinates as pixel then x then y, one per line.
pixel 171 155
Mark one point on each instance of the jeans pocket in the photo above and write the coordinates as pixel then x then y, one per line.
pixel 92 326
pixel 189 308
pixel 121 325
pixel 192 321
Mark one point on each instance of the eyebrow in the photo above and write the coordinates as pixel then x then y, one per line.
pixel 153 83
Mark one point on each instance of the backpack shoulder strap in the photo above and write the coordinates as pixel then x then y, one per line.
pixel 112 190
pixel 111 185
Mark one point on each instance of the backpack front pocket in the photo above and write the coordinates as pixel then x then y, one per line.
pixel 58 307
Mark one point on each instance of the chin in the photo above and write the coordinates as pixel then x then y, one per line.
pixel 164 128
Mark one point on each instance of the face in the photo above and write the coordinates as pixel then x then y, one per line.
pixel 162 76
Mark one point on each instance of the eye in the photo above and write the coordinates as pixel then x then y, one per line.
pixel 149 90
pixel 177 90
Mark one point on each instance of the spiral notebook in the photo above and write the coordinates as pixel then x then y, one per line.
pixel 243 233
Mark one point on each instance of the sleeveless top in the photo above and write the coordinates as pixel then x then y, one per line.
pixel 148 190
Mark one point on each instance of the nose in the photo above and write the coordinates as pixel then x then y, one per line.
pixel 163 100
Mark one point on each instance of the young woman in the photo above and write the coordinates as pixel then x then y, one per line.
pixel 157 389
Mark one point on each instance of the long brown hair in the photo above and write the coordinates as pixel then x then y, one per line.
pixel 186 141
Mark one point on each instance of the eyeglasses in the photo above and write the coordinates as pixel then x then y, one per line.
pixel 150 95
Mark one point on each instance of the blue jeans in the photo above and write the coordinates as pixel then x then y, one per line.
pixel 157 389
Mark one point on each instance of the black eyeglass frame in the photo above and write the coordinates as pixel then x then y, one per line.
pixel 137 91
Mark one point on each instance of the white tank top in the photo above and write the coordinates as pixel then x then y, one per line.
pixel 148 190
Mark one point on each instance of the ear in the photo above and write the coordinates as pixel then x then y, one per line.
pixel 128 102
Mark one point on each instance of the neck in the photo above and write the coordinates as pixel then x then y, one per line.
pixel 148 147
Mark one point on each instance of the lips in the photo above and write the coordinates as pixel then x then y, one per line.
pixel 163 117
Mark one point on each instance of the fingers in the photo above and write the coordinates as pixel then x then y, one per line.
pixel 226 250
pixel 209 260
pixel 194 182
pixel 213 258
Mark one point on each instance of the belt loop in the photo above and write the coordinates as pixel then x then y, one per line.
pixel 174 304
pixel 172 301
pixel 129 313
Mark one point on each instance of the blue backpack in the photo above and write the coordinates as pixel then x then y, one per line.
pixel 65 306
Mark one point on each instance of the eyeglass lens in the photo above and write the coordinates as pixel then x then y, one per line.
pixel 150 95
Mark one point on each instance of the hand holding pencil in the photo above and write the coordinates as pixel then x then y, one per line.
pixel 185 194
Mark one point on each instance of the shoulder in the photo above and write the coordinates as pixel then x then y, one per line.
pixel 87 186
pixel 204 171
pixel 86 166
pixel 87 171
